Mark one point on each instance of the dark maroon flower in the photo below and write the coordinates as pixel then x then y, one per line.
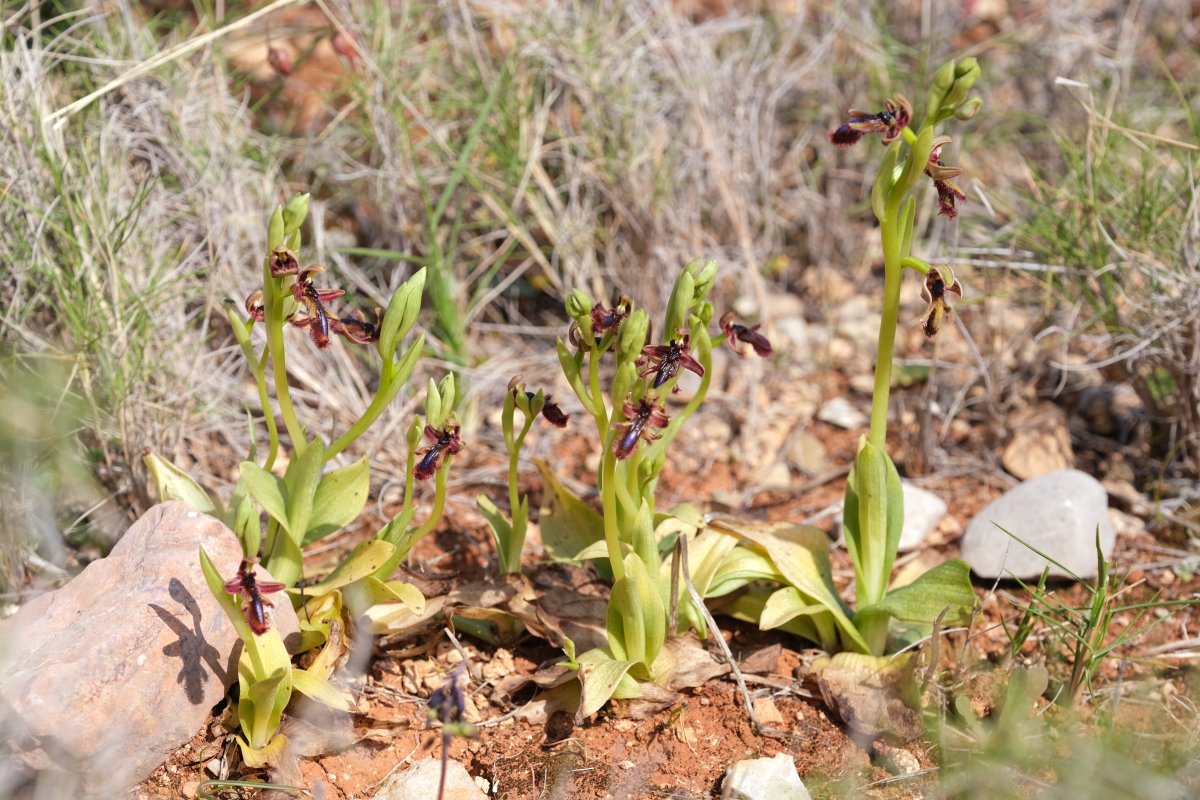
pixel 935 294
pixel 254 605
pixel 642 420
pixel 550 410
pixel 313 299
pixel 356 328
pixel 894 118
pixel 553 414
pixel 441 444
pixel 740 333
pixel 608 320
pixel 947 192
pixel 255 306
pixel 283 262
pixel 665 360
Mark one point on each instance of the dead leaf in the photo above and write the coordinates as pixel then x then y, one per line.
pixel 875 697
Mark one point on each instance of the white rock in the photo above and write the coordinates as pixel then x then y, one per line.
pixel 923 511
pixel 839 411
pixel 420 782
pixel 1057 513
pixel 764 779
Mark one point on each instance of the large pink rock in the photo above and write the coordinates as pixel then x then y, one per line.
pixel 102 679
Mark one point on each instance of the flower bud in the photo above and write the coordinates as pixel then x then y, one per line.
pixel 579 308
pixel 705 277
pixel 966 72
pixel 968 108
pixel 401 313
pixel 295 212
pixel 275 231
pixel 943 81
pixel 633 336
pixel 682 297
pixel 345 44
pixel 280 60
pixel 413 436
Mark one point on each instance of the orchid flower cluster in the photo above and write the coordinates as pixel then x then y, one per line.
pixel 624 378
pixel 309 500
pixel 874 513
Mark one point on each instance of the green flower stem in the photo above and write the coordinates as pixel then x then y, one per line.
pixel 510 557
pixel 514 457
pixel 887 331
pixel 601 413
pixel 378 403
pixel 264 399
pixel 608 496
pixel 439 505
pixel 274 322
pixel 918 264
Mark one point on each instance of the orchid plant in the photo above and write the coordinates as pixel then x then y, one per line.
pixel 510 533
pixel 310 500
pixel 779 575
pixel 628 401
pixel 874 514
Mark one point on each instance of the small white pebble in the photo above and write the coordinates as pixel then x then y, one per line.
pixel 332 778
pixel 627 765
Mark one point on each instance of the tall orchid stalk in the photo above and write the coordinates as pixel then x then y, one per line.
pixel 874 512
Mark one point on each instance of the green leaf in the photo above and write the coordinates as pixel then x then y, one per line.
pixel 801 554
pixel 637 618
pixel 948 585
pixel 363 561
pixel 295 212
pixel 261 706
pixel 602 678
pixel 568 524
pixel 741 566
pixel 433 405
pixel 246 525
pixel 173 483
pixel 785 605
pixel 319 689
pixel 340 498
pixel 501 529
pixel 285 561
pixel 572 370
pixel 682 295
pixel 371 591
pixel 266 489
pixel 873 520
pixel 301 479
pixel 885 179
